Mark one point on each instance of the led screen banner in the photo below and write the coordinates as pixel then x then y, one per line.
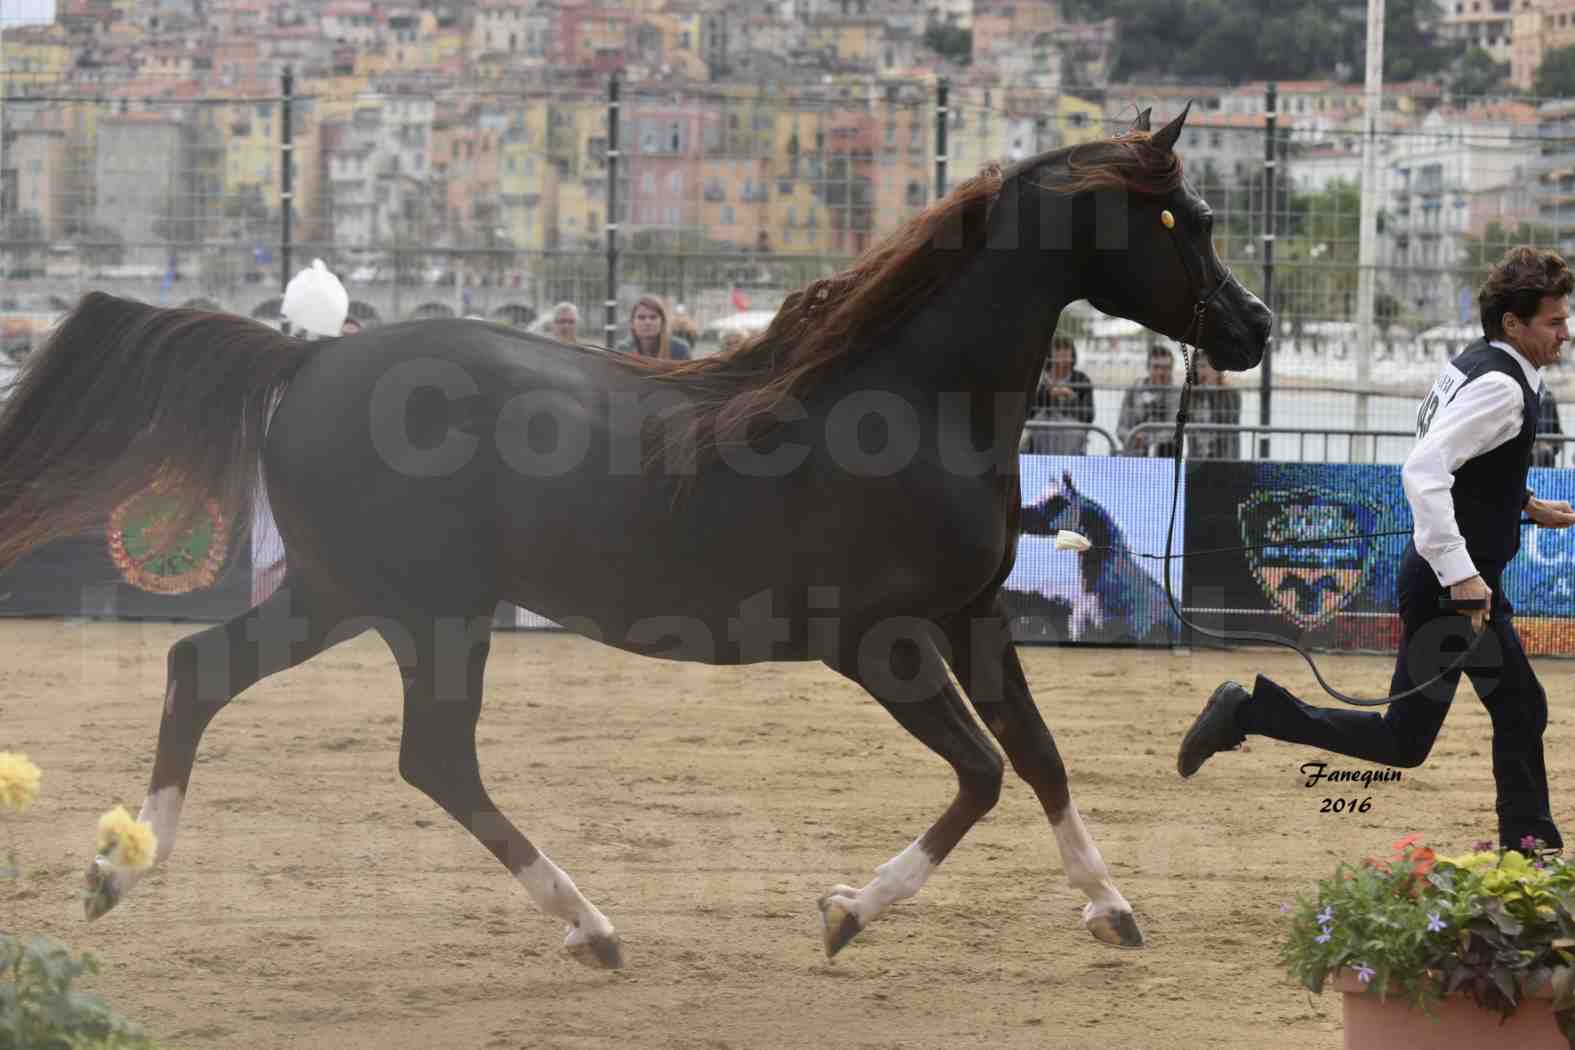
pixel 1109 594
pixel 1337 594
pixel 1341 594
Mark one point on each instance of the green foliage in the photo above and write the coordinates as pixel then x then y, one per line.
pixel 1477 74
pixel 1319 241
pixel 950 41
pixel 1483 253
pixel 40 1010
pixel 1240 40
pixel 1490 924
pixel 1556 76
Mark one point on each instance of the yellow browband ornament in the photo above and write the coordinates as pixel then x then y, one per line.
pixel 1168 219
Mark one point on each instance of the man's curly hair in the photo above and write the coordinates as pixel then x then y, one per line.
pixel 1517 285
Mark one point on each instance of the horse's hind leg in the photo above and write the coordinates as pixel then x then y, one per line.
pixel 985 661
pixel 442 664
pixel 912 685
pixel 205 672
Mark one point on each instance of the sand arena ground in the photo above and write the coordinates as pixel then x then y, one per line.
pixel 315 900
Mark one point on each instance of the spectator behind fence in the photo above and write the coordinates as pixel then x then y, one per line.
pixel 1547 453
pixel 1153 400
pixel 566 323
pixel 649 333
pixel 1065 395
pixel 683 326
pixel 1213 402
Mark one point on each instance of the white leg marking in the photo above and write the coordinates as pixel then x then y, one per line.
pixel 1085 868
pixel 555 893
pixel 897 879
pixel 162 810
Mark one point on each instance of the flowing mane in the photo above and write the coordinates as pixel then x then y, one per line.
pixel 820 327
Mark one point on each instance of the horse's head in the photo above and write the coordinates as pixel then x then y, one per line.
pixel 1062 506
pixel 1153 260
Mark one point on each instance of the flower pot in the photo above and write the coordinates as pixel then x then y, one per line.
pixel 1456 1023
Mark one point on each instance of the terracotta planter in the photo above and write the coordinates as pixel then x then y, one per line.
pixel 1457 1023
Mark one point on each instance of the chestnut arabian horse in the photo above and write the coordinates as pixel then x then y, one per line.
pixel 843 487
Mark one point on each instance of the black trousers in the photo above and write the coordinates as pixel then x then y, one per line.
pixel 1402 733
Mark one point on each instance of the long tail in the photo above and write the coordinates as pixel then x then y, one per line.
pixel 124 395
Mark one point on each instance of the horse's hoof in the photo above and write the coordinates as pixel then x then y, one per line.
pixel 100 893
pixel 599 951
pixel 1119 929
pixel 838 925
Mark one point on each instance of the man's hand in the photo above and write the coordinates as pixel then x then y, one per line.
pixel 1471 588
pixel 1550 514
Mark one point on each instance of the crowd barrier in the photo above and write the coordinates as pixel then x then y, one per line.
pixel 1332 596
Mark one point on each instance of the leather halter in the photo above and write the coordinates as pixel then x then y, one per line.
pixel 1193 334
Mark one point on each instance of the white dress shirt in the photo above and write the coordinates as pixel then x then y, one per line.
pixel 1467 421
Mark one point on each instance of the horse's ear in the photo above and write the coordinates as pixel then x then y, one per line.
pixel 1141 123
pixel 1066 480
pixel 1165 138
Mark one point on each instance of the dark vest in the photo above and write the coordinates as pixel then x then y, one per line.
pixel 1490 489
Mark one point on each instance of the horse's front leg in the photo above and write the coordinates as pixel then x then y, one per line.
pixel 909 680
pixel 985 662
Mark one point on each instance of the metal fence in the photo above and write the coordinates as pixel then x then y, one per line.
pixel 722 198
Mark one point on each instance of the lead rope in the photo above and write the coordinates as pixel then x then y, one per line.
pixel 1195 330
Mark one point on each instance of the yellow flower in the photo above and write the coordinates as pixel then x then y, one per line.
pixel 18 781
pixel 127 843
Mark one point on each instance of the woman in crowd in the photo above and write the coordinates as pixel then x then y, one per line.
pixel 650 335
pixel 1065 396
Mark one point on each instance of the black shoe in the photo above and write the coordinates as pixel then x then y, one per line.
pixel 1213 730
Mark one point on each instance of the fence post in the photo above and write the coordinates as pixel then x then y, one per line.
pixel 942 92
pixel 287 175
pixel 612 210
pixel 1270 163
pixel 1367 250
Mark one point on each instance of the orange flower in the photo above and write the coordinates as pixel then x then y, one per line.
pixel 1410 840
pixel 1422 861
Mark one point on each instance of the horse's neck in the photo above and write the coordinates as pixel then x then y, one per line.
pixel 988 331
pixel 1101 530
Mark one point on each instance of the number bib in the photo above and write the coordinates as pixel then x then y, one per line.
pixel 1448 384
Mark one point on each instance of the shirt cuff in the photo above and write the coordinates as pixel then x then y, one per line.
pixel 1453 566
pixel 1527 500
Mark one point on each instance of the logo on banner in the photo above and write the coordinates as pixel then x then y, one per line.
pixel 192 563
pixel 1309 581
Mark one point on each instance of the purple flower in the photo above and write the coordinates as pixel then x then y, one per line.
pixel 1485 846
pixel 1364 973
pixel 1529 842
pixel 1434 923
pixel 1285 909
pixel 1326 916
pixel 1323 938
